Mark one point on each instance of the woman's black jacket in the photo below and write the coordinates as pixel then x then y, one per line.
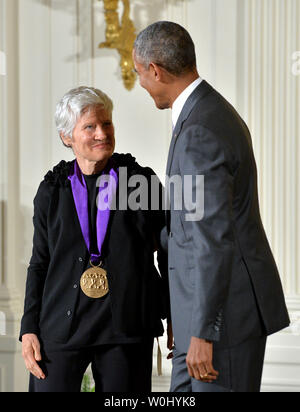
pixel 139 295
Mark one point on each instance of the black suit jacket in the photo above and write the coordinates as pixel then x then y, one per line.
pixel 224 283
pixel 139 295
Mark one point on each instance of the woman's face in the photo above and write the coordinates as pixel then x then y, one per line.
pixel 93 136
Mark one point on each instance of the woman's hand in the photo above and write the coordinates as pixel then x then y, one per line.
pixel 170 343
pixel 31 352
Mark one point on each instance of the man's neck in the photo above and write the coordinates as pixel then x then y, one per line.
pixel 181 83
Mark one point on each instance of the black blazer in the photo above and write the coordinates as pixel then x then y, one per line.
pixel 224 282
pixel 139 295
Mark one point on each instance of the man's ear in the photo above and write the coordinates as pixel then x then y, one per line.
pixel 157 71
pixel 67 141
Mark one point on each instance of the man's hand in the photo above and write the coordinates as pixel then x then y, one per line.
pixel 170 343
pixel 199 360
pixel 31 353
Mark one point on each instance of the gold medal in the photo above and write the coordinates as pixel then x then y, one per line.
pixel 94 283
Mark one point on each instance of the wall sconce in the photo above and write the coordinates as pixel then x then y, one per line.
pixel 121 37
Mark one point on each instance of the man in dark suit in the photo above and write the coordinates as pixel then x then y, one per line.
pixel 226 293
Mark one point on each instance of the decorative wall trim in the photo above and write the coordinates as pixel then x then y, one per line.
pixel 281 385
pixel 85 41
pixel 2 375
pixel 3 157
pixel 270 104
pixel 177 11
pixel 282 362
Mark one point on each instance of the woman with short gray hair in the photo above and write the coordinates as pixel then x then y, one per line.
pixel 69 109
pixel 93 294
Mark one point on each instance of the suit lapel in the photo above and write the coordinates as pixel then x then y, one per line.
pixel 202 90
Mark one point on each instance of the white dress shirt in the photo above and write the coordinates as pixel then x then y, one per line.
pixel 181 100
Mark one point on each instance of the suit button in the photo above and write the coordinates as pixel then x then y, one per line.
pixel 80 259
pixel 69 313
pixel 75 286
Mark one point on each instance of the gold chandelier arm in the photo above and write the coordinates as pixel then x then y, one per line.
pixel 120 37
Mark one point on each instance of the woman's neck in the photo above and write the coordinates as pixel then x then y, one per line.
pixel 90 167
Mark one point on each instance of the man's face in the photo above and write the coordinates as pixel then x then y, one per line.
pixel 150 81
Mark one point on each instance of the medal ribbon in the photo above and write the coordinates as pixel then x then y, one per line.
pixel 80 195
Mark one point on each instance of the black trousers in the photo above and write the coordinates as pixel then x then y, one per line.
pixel 116 368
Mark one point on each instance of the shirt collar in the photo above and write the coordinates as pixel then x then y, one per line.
pixel 181 100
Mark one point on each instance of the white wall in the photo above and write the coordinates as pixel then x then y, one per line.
pixel 244 49
pixel 269 100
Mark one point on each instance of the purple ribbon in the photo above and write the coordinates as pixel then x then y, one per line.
pixel 80 195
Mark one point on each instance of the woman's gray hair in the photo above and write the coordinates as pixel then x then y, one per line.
pixel 168 45
pixel 74 103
